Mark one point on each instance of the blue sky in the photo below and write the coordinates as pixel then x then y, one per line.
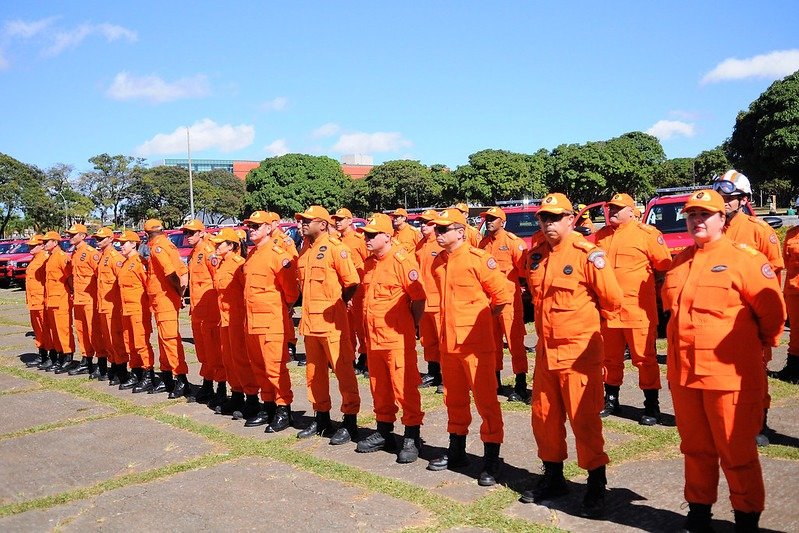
pixel 432 81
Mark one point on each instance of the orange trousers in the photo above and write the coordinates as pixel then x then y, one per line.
pixel 642 352
pixel 429 337
pixel 59 321
pixel 234 356
pixel 113 342
pixel 394 380
pixel 339 354
pixel 720 427
pixel 268 357
pixel 476 373
pixel 558 394
pixel 208 347
pixel 170 344
pixel 792 304
pixel 41 331
pixel 136 331
pixel 86 328
pixel 510 324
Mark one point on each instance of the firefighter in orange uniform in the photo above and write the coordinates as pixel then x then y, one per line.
pixel 572 288
pixel 58 303
pixel 167 278
pixel 406 235
pixel 85 259
pixel 584 220
pixel 473 292
pixel 204 310
pixel 472 233
pixel 109 308
pixel 393 305
pixel 634 250
pixel 510 252
pixel 270 291
pixel 426 252
pixel 281 239
pixel 328 280
pixel 34 299
pixel 726 306
pixel 790 253
pixel 136 317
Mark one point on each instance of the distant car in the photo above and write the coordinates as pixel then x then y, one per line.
pixel 13 264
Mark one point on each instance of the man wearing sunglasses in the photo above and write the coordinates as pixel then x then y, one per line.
pixel 572 289
pixel 473 292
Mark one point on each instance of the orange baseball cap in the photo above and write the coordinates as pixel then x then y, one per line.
pixel 35 240
pixel 314 211
pixel 399 212
pixel 706 199
pixel 261 217
pixel 622 200
pixel 153 224
pixel 494 212
pixel 104 233
pixel 449 216
pixel 462 207
pixel 226 234
pixel 342 212
pixel 556 203
pixel 51 236
pixel 128 236
pixel 378 223
pixel 194 225
pixel 77 228
pixel 428 214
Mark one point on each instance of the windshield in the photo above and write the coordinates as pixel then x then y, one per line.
pixel 178 240
pixel 522 224
pixel 21 248
pixel 668 218
pixel 6 246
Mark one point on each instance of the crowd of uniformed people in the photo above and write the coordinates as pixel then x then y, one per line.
pixel 376 290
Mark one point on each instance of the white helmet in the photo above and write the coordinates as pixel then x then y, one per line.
pixel 731 182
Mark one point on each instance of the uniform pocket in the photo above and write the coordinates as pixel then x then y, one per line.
pixel 562 293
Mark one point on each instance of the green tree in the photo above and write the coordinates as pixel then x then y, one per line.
pixel 21 190
pixel 160 192
pixel 401 183
pixel 219 194
pixel 65 202
pixel 493 175
pixel 678 172
pixel 578 171
pixel 632 160
pixel 289 183
pixel 445 180
pixel 109 184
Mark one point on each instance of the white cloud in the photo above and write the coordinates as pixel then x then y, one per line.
pixel 275 104
pixel 666 129
pixel 326 130
pixel 773 65
pixel 26 30
pixel 205 134
pixel 154 89
pixel 277 147
pixel 72 38
pixel 367 143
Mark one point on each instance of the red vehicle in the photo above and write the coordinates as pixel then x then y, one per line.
pixel 7 254
pixel 13 264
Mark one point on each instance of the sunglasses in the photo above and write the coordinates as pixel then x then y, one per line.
pixel 254 227
pixel 369 236
pixel 441 230
pixel 725 187
pixel 189 232
pixel 550 217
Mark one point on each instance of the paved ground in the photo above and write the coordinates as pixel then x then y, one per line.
pixel 77 454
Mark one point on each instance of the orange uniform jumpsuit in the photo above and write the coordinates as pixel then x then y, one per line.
pixel 634 250
pixel 357 245
pixel 571 287
pixel 270 287
pixel 725 305
pixel 470 282
pixel 288 245
pixel 137 323
pixel 790 254
pixel 109 306
pixel 34 299
pixel 85 259
pixel 390 284
pixel 205 311
pixel 325 268
pixel 510 252
pixel 229 285
pixel 166 303
pixel 426 252
pixel 58 301
pixel 408 237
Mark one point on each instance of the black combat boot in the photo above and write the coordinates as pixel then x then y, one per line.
pixel 206 392
pixel 411 445
pixel 134 377
pixel 651 414
pixel 165 384
pixel 762 438
pixel 68 364
pixel 382 439
pixel 492 465
pixel 36 362
pixel 100 372
pixel 263 417
pixel 121 374
pixel 519 393
pixel 500 386
pixel 593 505
pixel 181 388
pixel 232 404
pixel 790 373
pixel 347 432
pixel 746 522
pixel 552 485
pixel 361 367
pixel 433 376
pixel 281 420
pixel 47 364
pixel 699 518
pixel 85 367
pixel 454 458
pixel 146 383
pixel 252 406
pixel 220 397
pixel 611 401
pixel 60 360
pixel 112 374
pixel 320 426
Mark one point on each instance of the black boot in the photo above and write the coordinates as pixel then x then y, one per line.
pixel 292 349
pixel 112 374
pixel 100 372
pixel 492 465
pixel 746 522
pixel 146 383
pixel 552 485
pixel 165 384
pixel 36 362
pixel 611 401
pixel 454 458
pixel 67 365
pixel 593 505
pixel 411 445
pixel 500 386
pixel 699 518
pixel 519 393
pixel 52 359
pixel 60 359
pixel 263 416
pixel 382 439
pixel 232 404
pixel 85 367
pixel 252 406
pixel 790 373
pixel 433 376
pixel 181 388
pixel 320 426
pixel 281 420
pixel 121 374
pixel 220 397
pixel 361 367
pixel 762 438
pixel 206 392
pixel 136 375
pixel 651 414
pixel 347 432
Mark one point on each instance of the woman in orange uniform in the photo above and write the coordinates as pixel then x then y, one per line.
pixel 726 307
pixel 34 298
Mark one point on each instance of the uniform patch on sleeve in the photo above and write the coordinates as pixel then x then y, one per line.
pixel 96 257
pixel 772 238
pixel 413 275
pixel 214 261
pixel 521 247
pixel 286 263
pixel 119 263
pixel 660 240
pixel 767 271
pixel 343 254
pixel 492 263
pixel 597 257
pixel 158 249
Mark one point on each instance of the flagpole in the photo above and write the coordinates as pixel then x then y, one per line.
pixel 191 181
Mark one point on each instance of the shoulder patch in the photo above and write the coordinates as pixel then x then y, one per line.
pixel 773 238
pixel 214 260
pixel 96 257
pixel 158 249
pixel 413 275
pixel 120 263
pixel 343 254
pixel 661 240
pixel 492 263
pixel 286 263
pixel 767 271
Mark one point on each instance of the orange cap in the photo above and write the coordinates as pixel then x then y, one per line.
pixel 261 217
pixel 378 223
pixel 462 207
pixel 494 212
pixel 194 225
pixel 706 199
pixel 314 211
pixel 51 236
pixel 556 203
pixel 226 234
pixel 399 212
pixel 128 236
pixel 622 200
pixel 153 224
pixel 35 240
pixel 428 214
pixel 449 216
pixel 104 233
pixel 342 212
pixel 77 228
